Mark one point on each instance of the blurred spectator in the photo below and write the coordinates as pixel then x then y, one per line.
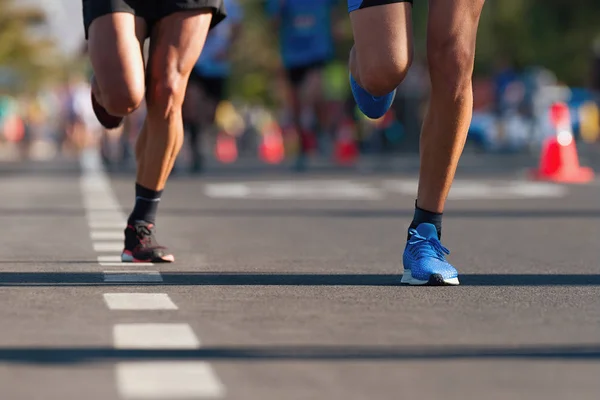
pixel 207 84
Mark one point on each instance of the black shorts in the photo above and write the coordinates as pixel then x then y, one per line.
pixel 151 10
pixel 214 87
pixel 297 75
pixel 354 5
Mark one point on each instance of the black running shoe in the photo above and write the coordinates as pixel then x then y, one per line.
pixel 141 245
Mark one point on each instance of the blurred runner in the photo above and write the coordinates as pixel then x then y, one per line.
pixel 379 60
pixel 206 87
pixel 116 31
pixel 81 126
pixel 306 46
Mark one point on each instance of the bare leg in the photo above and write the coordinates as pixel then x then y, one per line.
pixel 115 43
pixel 176 43
pixel 452 31
pixel 382 51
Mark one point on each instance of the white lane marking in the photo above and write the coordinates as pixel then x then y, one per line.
pixel 462 189
pixel 139 301
pixel 125 264
pixel 119 223
pixel 144 379
pixel 168 380
pixel 474 190
pixel 105 215
pixel 102 206
pixel 106 235
pixel 297 190
pixel 132 276
pixel 108 246
pixel 109 259
pixel 154 336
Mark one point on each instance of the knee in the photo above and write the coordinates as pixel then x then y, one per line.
pixel 451 63
pixel 122 101
pixel 167 92
pixel 381 75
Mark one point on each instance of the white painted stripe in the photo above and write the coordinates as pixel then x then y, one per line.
pixel 105 215
pixel 106 235
pixel 125 264
pixel 108 246
pixel 297 190
pixel 139 301
pixel 168 380
pixel 132 276
pixel 103 206
pixel 109 259
pixel 108 223
pixel 154 336
pixel 118 223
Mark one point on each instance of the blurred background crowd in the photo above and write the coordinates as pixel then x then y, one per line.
pixel 251 98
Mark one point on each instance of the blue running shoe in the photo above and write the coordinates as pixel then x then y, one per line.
pixel 373 107
pixel 425 259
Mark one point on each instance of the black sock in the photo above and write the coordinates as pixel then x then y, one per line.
pixel 146 204
pixel 423 216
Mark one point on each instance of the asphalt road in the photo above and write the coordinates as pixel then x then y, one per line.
pixel 292 291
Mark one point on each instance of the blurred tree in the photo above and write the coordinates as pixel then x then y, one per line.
pixel 27 60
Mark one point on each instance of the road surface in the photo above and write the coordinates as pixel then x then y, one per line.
pixel 291 291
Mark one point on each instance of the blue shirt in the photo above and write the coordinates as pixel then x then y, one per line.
pixel 305 31
pixel 218 41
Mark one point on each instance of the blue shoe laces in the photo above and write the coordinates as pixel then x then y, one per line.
pixel 424 247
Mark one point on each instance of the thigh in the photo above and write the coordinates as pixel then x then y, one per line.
pixel 115 48
pixel 454 24
pixel 382 30
pixel 176 42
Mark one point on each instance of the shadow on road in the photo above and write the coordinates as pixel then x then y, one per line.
pixel 42 279
pixel 74 355
pixel 313 213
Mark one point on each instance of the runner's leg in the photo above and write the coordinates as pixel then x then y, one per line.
pixel 452 31
pixel 175 44
pixel 115 48
pixel 382 52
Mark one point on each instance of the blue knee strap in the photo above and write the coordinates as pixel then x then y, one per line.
pixel 373 107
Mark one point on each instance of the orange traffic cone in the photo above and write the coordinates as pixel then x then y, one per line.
pixel 559 161
pixel 346 151
pixel 271 149
pixel 226 149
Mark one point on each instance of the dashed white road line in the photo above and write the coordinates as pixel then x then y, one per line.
pixel 107 224
pixel 106 235
pixel 143 379
pixel 168 380
pixel 108 246
pixel 357 190
pixel 154 336
pixel 109 259
pixel 139 301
